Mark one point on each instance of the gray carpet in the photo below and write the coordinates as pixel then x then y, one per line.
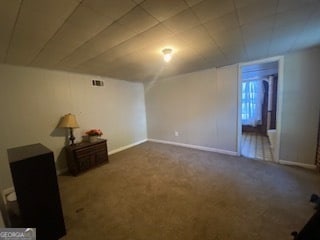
pixel 157 191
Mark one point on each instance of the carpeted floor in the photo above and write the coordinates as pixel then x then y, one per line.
pixel 157 191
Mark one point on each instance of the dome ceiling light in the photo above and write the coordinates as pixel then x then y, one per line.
pixel 167 54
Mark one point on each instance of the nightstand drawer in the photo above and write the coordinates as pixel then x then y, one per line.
pixel 84 156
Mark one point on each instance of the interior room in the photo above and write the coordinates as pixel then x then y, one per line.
pixel 144 119
pixel 259 109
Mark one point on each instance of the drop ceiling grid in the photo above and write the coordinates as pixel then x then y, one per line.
pixel 8 15
pixel 126 47
pixel 131 21
pixel 161 10
pixel 311 33
pixel 113 9
pixel 110 37
pixel 288 26
pixel 102 38
pixel 31 33
pixel 124 38
pixel 75 27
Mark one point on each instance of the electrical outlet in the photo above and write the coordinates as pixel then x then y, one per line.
pixel 176 133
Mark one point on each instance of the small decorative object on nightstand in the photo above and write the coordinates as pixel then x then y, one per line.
pixel 94 135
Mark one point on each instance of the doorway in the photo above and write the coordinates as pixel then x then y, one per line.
pixel 259 108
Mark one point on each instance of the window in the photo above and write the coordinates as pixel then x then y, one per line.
pixel 252 97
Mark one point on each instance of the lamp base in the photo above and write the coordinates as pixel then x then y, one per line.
pixel 71 138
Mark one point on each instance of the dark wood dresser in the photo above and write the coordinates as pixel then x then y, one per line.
pixel 84 156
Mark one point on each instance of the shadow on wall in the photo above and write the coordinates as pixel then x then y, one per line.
pixel 61 162
pixel 61 159
pixel 61 132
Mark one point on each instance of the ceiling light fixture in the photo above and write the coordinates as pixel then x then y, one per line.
pixel 167 54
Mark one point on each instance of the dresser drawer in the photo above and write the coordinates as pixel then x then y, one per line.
pixel 101 157
pixel 86 162
pixel 83 152
pixel 84 156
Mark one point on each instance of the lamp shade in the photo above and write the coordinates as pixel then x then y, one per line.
pixel 68 121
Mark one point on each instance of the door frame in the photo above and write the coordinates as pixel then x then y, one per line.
pixel 280 60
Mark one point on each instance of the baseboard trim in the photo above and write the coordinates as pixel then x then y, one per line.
pixel 208 149
pixel 309 166
pixel 126 147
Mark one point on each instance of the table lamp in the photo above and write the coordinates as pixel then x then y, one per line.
pixel 69 121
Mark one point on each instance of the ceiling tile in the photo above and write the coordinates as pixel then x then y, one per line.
pixel 164 9
pixel 138 1
pixel 198 35
pixel 134 44
pixel 138 20
pixel 259 31
pixel 114 9
pixel 156 33
pixel 31 33
pixel 283 39
pixel 186 54
pixel 285 5
pixel 208 9
pixel 174 42
pixel 309 39
pixel 118 51
pixel 310 36
pixel 83 25
pixel 257 50
pixel 227 38
pixel 255 11
pixel 206 48
pixel 235 53
pixel 8 14
pixel 87 19
pixel 287 34
pixel 295 16
pixel 93 67
pixel 261 25
pixel 193 2
pixel 124 39
pixel 224 23
pixel 209 51
pixel 182 21
pixel 217 60
pixel 112 36
pixel 125 69
pixel 136 62
pixel 243 3
pixel 192 66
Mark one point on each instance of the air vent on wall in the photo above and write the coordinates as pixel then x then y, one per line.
pixel 98 83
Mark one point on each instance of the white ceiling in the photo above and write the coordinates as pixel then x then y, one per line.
pixel 123 38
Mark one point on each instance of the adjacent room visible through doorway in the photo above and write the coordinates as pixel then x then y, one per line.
pixel 258 109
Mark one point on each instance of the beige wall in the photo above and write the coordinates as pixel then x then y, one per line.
pixel 33 100
pixel 301 105
pixel 200 106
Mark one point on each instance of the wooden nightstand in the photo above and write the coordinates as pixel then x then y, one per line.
pixel 84 156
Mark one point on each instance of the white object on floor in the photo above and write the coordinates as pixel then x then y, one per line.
pixel 11 197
